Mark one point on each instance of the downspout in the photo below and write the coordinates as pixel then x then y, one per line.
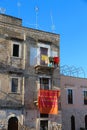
pixel 24 61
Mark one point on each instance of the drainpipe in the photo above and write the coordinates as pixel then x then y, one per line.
pixel 24 62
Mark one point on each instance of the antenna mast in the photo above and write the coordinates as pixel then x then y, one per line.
pixel 2 10
pixel 18 4
pixel 36 10
pixel 53 26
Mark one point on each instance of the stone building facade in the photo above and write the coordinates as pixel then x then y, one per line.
pixel 24 69
pixel 74 103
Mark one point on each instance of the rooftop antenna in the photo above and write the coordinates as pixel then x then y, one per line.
pixel 18 4
pixel 36 22
pixel 36 10
pixel 53 26
pixel 2 10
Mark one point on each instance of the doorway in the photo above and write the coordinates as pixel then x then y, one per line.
pixel 72 123
pixel 86 121
pixel 13 123
pixel 44 125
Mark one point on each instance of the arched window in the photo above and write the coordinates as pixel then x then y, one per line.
pixel 86 121
pixel 13 123
pixel 72 123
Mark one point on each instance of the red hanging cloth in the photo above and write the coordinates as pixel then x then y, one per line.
pixel 56 60
pixel 48 101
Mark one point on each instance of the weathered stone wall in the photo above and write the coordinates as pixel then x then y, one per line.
pixel 6 57
pixel 10 20
pixel 4 51
pixel 6 114
pixel 7 98
pixel 33 120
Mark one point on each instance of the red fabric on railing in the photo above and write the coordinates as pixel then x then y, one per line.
pixel 48 101
pixel 56 60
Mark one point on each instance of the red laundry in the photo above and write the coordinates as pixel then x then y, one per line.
pixel 56 60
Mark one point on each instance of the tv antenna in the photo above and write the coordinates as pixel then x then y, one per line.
pixel 53 26
pixel 36 21
pixel 36 10
pixel 19 5
pixel 2 10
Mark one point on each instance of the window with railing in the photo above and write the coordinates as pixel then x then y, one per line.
pixel 44 55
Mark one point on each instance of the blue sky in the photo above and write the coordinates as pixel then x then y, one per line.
pixel 69 17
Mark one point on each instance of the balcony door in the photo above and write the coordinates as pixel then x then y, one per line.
pixel 43 56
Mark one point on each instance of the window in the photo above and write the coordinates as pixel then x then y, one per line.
pixel 85 97
pixel 16 49
pixel 70 96
pixel 14 85
pixel 43 115
pixel 44 83
pixel 0 85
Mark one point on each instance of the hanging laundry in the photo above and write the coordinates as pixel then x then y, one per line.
pixel 44 57
pixel 48 101
pixel 56 60
pixel 51 59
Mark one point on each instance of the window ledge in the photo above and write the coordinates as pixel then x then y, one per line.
pixel 16 93
pixel 14 57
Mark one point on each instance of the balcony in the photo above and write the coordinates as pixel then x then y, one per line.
pixel 44 69
pixel 46 65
